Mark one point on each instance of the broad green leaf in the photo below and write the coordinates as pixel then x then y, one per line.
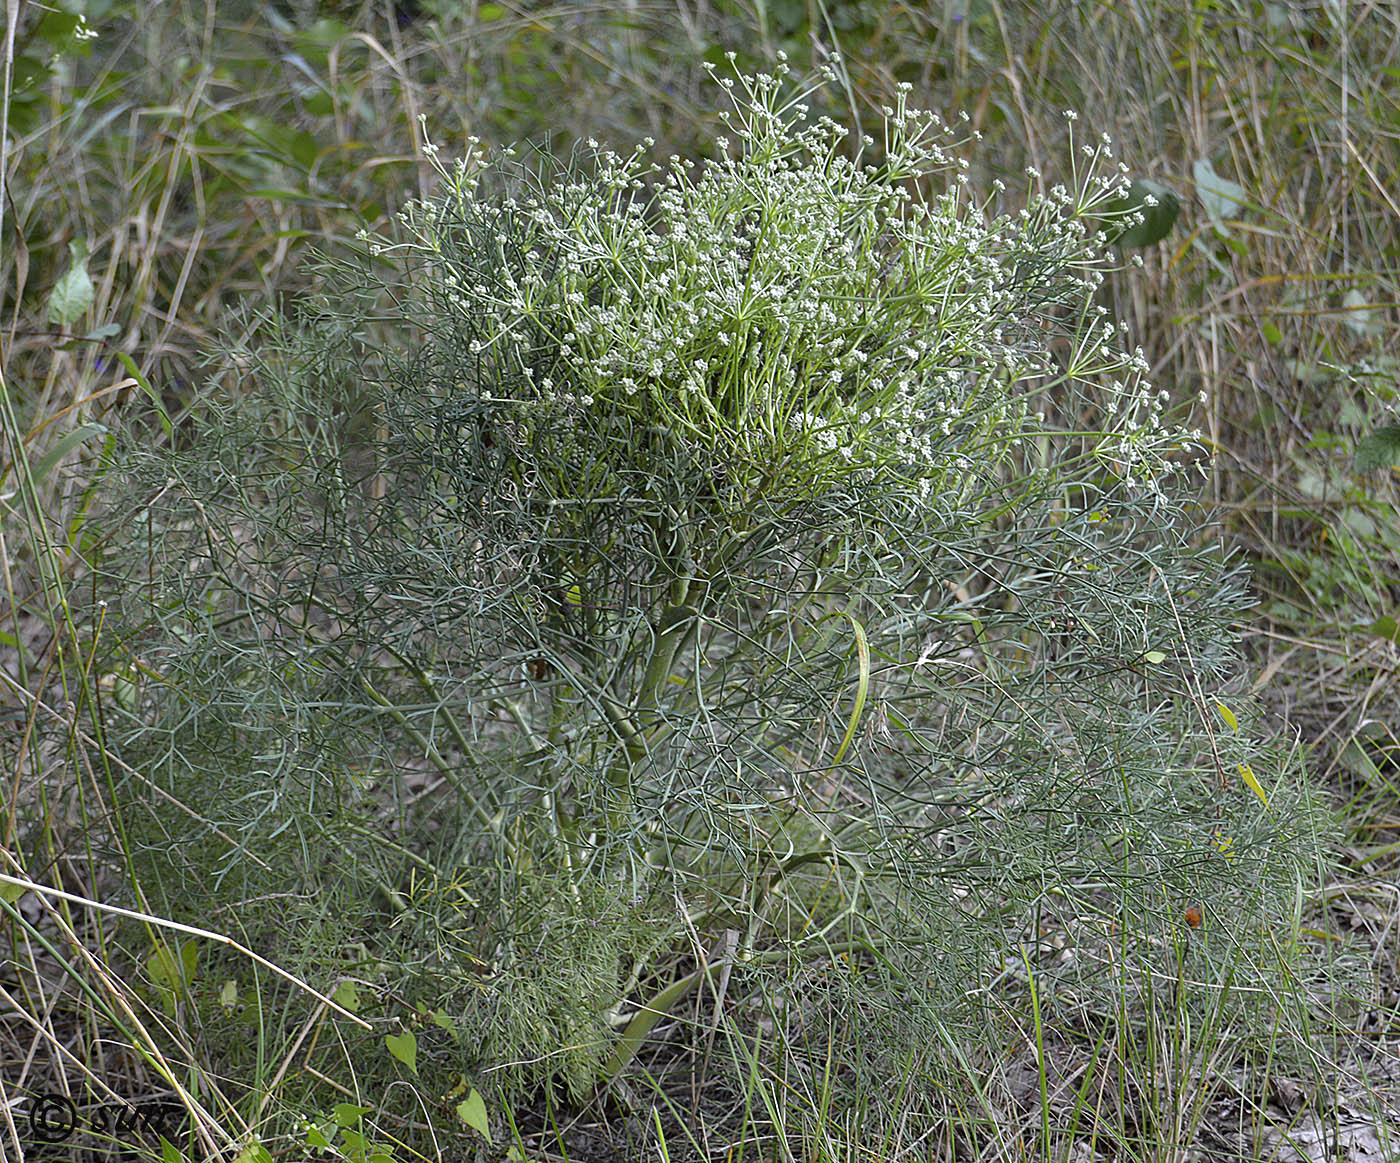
pixel 72 294
pixel 124 690
pixel 1228 715
pixel 347 1114
pixel 172 970
pixel 1158 219
pixel 318 103
pixel 316 41
pixel 472 1111
pixel 1155 657
pixel 28 71
pixel 304 149
pixel 347 996
pixel 1381 449
pixel 253 1152
pixel 1359 524
pixel 404 1047
pixel 1360 317
pixel 1247 774
pixel 10 893
pixel 169 1153
pixel 1239 246
pixel 58 28
pixel 296 148
pixel 1221 197
pixel 1386 627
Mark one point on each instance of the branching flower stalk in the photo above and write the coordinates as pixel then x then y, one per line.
pixel 788 316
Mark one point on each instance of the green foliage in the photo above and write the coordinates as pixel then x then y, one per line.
pixel 754 552
pixel 1379 449
pixel 562 953
pixel 172 972
pixel 1145 215
pixel 195 146
pixel 1222 198
pixel 40 50
pixel 72 294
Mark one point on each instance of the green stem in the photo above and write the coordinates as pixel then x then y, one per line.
pixel 659 1005
pixel 677 621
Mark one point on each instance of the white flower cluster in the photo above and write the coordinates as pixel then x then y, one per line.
pixel 790 298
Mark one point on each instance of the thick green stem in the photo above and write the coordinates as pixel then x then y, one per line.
pixel 638 727
pixel 677 620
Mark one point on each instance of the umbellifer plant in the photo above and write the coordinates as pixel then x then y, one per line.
pixel 690 577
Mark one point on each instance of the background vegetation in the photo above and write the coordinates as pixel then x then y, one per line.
pixel 167 169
